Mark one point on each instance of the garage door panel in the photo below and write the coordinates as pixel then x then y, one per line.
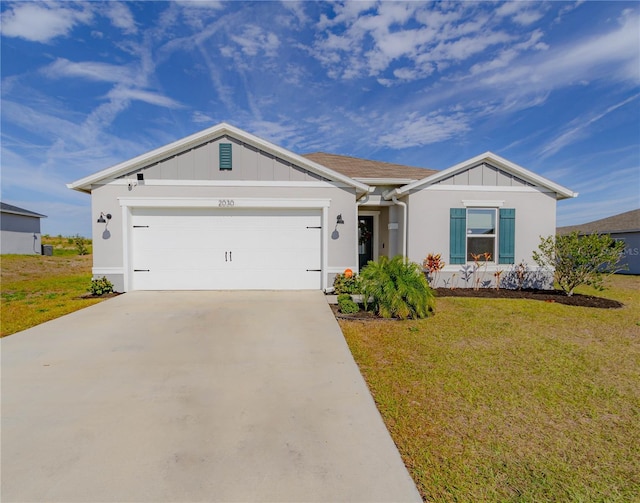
pixel 205 249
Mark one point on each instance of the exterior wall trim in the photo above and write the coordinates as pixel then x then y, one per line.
pixel 221 202
pixel 485 188
pixel 222 183
pixel 103 271
pixel 471 203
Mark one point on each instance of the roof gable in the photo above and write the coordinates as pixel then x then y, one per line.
pixel 517 175
pixel 208 135
pixel 9 208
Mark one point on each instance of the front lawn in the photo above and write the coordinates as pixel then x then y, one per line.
pixel 512 400
pixel 37 288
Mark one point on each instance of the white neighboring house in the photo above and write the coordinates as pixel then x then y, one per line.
pixel 20 230
pixel 622 227
pixel 224 209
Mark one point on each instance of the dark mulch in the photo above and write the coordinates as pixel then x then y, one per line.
pixel 545 295
pixel 550 296
pixel 105 296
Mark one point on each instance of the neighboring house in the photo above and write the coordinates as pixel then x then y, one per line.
pixel 623 227
pixel 223 209
pixel 19 230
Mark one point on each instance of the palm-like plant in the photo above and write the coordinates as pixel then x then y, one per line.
pixel 396 288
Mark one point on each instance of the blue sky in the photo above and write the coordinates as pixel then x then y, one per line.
pixel 551 86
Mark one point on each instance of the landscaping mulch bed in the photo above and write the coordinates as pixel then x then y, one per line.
pixel 551 296
pixel 545 295
pixel 104 296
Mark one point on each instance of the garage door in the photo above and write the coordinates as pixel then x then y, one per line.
pixel 212 249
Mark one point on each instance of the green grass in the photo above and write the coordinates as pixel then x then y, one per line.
pixel 36 289
pixel 512 400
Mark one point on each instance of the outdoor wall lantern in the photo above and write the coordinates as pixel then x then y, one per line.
pixel 101 218
pixel 339 219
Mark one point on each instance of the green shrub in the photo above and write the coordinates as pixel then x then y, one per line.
pixel 81 244
pixel 344 284
pixel 101 286
pixel 580 260
pixel 397 288
pixel 347 305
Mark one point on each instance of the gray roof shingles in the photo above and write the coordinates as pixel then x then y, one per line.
pixel 9 208
pixel 623 222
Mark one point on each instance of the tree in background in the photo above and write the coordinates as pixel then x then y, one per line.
pixel 580 260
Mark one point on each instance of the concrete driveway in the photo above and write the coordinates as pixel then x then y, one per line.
pixel 193 396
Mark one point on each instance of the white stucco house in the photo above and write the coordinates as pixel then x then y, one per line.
pixel 224 209
pixel 20 230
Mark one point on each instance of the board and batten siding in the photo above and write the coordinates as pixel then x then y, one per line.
pixel 484 175
pixel 203 163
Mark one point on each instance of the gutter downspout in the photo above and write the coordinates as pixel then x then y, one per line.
pixel 404 224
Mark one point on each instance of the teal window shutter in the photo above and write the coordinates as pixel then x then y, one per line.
pixel 507 236
pixel 225 156
pixel 457 235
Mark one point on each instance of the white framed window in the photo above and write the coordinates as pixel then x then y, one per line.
pixel 481 233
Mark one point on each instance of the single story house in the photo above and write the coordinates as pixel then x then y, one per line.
pixel 622 227
pixel 19 230
pixel 224 209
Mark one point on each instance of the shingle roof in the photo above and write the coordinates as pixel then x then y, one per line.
pixel 623 222
pixel 9 208
pixel 354 167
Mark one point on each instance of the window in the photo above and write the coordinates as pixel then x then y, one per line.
pixel 481 233
pixel 475 231
pixel 225 156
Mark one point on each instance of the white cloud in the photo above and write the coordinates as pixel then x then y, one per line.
pixel 121 17
pixel 609 55
pixel 43 22
pixel 91 70
pixel 578 129
pixel 255 40
pixel 418 130
pixel 126 94
pixel 200 117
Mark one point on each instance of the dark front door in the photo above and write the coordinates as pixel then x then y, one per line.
pixel 365 239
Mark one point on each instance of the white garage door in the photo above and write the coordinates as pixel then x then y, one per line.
pixel 212 249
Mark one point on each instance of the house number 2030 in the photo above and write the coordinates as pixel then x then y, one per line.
pixel 226 203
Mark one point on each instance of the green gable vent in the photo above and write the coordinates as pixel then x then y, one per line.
pixel 225 156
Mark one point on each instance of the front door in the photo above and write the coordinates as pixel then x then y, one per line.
pixel 365 239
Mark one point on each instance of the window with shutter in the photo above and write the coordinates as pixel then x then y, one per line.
pixel 507 235
pixel 457 229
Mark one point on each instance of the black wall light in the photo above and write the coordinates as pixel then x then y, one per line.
pixel 101 218
pixel 339 219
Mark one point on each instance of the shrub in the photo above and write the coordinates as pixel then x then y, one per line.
pixel 397 287
pixel 347 305
pixel 579 260
pixel 81 244
pixel 101 286
pixel 343 283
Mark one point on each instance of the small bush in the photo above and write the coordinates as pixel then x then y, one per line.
pixel 347 305
pixel 101 286
pixel 580 260
pixel 346 284
pixel 81 244
pixel 398 288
